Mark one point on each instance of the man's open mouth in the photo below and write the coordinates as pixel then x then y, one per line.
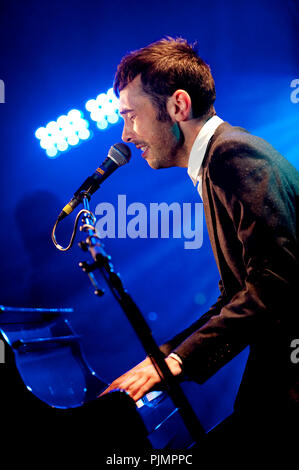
pixel 144 150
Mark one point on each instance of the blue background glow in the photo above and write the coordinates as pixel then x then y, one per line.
pixel 58 56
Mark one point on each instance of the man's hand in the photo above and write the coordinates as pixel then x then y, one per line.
pixel 141 379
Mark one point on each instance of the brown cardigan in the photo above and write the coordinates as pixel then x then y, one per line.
pixel 250 196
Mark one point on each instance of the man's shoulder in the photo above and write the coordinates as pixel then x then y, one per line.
pixel 233 139
pixel 236 155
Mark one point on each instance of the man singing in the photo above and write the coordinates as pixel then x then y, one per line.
pixel 250 196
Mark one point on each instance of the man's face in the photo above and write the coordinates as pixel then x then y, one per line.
pixel 159 141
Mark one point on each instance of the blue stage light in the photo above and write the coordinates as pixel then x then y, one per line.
pixel 62 145
pixel 51 152
pixel 68 131
pixel 46 142
pixel 90 105
pixel 84 134
pixel 112 118
pixel 73 139
pixel 71 129
pixel 41 132
pixel 104 109
pixel 102 125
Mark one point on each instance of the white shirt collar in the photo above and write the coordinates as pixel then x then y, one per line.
pixel 200 146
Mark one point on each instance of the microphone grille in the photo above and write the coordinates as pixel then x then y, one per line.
pixel 120 153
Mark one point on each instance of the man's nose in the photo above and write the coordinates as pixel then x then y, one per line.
pixel 127 134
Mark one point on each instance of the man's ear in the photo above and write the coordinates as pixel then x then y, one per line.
pixel 179 106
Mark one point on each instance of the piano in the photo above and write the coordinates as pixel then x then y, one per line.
pixel 48 393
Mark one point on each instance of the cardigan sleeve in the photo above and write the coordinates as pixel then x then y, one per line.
pixel 215 309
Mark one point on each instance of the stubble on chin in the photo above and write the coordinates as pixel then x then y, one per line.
pixel 169 149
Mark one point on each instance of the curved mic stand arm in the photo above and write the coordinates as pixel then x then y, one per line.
pixel 102 262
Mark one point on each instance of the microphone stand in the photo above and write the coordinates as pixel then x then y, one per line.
pixel 102 261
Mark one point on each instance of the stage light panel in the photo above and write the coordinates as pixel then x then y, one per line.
pixel 72 128
pixel 104 109
pixel 67 131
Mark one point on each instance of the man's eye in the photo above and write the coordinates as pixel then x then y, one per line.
pixel 132 117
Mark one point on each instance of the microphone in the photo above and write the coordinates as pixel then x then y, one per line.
pixel 118 155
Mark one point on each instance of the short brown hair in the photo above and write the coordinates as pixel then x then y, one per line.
pixel 166 66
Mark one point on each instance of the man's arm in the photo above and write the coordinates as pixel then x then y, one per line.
pixel 215 309
pixel 143 377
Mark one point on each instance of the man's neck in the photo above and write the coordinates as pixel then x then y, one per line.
pixel 190 129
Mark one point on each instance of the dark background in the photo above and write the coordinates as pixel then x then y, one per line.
pixel 54 56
